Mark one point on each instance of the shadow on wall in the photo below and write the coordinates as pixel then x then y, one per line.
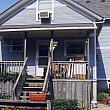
pixel 101 74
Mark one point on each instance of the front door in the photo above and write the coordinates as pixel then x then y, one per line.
pixel 42 57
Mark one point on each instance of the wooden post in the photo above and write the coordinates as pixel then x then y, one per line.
pixel 51 52
pixel 25 43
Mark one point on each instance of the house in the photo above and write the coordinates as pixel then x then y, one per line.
pixel 70 36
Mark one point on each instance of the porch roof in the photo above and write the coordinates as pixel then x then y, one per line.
pixel 9 28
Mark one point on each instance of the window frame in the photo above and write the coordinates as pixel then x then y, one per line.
pixel 65 47
pixel 12 45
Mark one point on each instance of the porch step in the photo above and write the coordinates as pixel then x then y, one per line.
pixel 23 104
pixel 41 80
pixel 32 88
pixel 34 84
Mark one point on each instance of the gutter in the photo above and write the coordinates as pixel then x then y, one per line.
pixel 46 29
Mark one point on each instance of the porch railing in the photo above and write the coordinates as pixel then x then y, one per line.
pixel 70 69
pixel 17 88
pixel 10 67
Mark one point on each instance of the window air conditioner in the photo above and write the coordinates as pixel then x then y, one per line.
pixel 44 15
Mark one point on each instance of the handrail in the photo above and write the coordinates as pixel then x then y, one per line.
pixel 11 61
pixel 47 75
pixel 70 62
pixel 15 85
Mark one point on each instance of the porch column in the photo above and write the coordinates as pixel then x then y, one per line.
pixel 25 43
pixel 93 64
pixel 0 48
pixel 95 70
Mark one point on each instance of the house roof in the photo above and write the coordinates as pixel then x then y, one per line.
pixel 23 3
pixel 97 6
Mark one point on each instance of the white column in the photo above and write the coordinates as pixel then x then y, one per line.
pixel 95 70
pixel 25 41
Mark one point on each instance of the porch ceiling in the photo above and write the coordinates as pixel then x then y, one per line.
pixel 75 26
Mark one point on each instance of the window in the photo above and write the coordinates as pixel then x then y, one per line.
pixel 73 48
pixel 16 45
pixel 43 54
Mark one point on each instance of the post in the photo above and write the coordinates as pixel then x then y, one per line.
pixel 93 64
pixel 95 70
pixel 25 43
pixel 51 52
pixel 0 48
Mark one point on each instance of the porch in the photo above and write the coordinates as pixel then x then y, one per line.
pixel 59 55
pixel 70 58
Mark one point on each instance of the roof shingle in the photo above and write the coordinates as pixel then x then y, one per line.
pixel 97 6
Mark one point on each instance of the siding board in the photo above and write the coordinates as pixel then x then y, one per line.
pixel 103 52
pixel 62 14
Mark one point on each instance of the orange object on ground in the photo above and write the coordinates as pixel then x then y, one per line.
pixel 37 96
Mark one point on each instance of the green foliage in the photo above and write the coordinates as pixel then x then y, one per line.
pixel 4 96
pixel 8 76
pixel 65 104
pixel 102 96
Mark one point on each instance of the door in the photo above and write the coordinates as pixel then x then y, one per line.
pixel 42 54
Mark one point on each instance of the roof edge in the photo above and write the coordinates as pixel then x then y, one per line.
pixel 14 9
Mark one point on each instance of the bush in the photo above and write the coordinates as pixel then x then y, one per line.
pixel 102 96
pixel 65 104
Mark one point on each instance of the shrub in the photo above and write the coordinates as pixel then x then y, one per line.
pixel 4 96
pixel 102 96
pixel 65 104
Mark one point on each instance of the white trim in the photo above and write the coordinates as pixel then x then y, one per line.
pixel 46 29
pixel 52 9
pixel 103 79
pixel 38 42
pixel 95 59
pixel 104 47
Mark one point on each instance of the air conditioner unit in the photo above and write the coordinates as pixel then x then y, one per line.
pixel 45 14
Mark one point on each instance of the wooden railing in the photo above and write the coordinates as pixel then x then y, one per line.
pixel 17 88
pixel 70 69
pixel 47 77
pixel 10 67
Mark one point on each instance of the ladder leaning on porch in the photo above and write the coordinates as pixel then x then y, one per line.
pixel 17 88
pixel 47 77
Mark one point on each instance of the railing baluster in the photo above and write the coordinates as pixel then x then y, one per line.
pixel 70 69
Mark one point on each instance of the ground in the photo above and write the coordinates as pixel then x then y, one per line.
pixel 102 107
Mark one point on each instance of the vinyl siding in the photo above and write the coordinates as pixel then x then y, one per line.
pixel 62 14
pixel 103 52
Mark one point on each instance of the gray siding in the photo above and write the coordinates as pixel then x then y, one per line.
pixel 62 14
pixel 103 52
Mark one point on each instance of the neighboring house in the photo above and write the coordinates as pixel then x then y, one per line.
pixel 80 32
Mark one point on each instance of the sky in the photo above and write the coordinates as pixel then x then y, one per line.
pixel 4 4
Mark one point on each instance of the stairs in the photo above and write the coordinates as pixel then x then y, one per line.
pixel 33 85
